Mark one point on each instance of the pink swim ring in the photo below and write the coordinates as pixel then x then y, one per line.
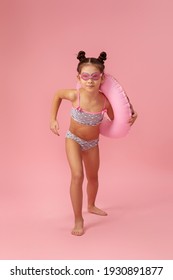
pixel 119 127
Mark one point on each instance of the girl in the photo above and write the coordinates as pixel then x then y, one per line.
pixel 82 138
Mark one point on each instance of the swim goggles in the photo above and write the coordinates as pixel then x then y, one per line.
pixel 94 76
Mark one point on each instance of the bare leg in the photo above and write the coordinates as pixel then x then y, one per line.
pixel 75 161
pixel 92 161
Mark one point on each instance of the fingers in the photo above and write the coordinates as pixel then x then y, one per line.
pixel 55 131
pixel 133 118
pixel 54 127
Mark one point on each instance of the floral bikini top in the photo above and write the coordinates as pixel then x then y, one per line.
pixel 87 118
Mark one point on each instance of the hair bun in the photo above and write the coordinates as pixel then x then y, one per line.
pixel 81 56
pixel 102 57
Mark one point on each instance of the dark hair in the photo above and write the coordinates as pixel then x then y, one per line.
pixel 98 62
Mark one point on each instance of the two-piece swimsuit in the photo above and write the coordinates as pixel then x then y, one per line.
pixel 86 118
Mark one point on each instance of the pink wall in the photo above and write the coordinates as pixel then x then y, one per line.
pixel 39 43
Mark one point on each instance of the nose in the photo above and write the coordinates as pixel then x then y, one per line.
pixel 90 79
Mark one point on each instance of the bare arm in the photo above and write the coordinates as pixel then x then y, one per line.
pixel 110 112
pixel 58 97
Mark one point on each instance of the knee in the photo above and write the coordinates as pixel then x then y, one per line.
pixel 93 179
pixel 77 177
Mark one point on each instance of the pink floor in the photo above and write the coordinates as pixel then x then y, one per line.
pixel 36 215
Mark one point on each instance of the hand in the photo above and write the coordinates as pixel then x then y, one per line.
pixel 133 118
pixel 54 126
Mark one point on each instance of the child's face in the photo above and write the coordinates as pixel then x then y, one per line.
pixel 90 77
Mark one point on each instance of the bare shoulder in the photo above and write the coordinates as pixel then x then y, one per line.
pixel 69 94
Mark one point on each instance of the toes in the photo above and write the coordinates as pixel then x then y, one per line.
pixel 78 232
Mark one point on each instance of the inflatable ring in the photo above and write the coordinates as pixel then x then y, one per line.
pixel 119 127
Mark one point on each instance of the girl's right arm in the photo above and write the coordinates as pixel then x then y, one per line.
pixel 61 94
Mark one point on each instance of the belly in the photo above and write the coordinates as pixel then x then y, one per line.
pixel 85 132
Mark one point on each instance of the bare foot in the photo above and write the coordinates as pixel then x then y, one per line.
pixel 97 211
pixel 78 229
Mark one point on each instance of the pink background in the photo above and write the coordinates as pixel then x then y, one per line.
pixel 39 43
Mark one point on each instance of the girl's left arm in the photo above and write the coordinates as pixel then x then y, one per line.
pixel 110 111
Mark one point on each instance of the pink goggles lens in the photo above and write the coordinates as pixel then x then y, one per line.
pixel 94 76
